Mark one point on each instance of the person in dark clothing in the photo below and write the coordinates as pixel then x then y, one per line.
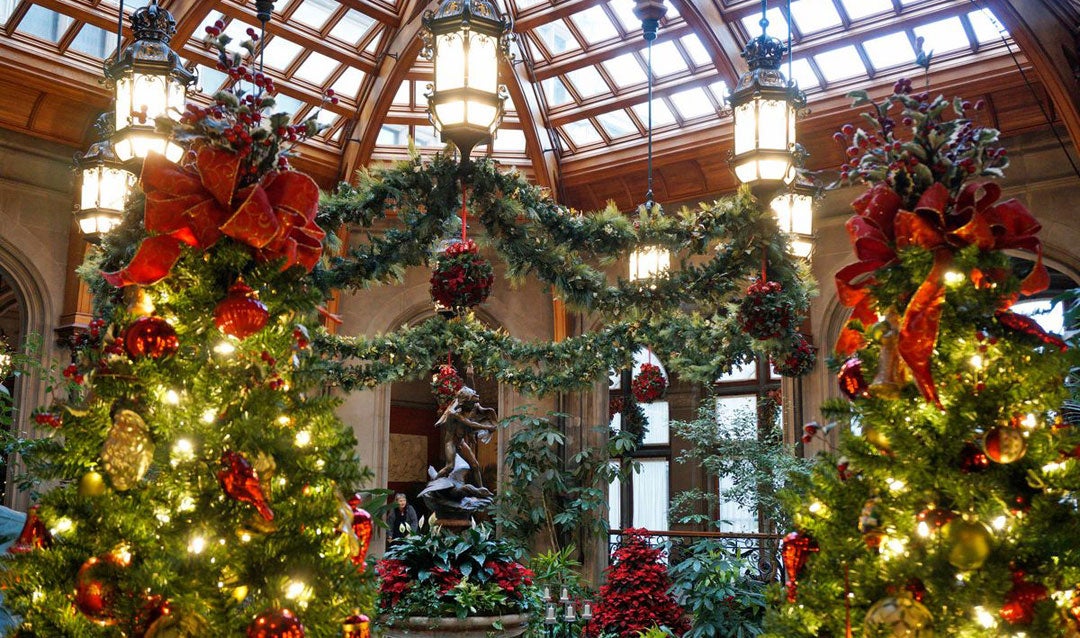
pixel 403 519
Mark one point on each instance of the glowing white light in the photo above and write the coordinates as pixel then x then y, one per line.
pixel 985 618
pixel 1030 422
pixel 172 397
pixel 187 504
pixel 976 361
pixel 209 415
pixel 245 537
pixel 196 545
pixel 303 438
pixel 953 277
pixel 284 420
pixel 1000 523
pixel 895 485
pixel 224 348
pixel 295 589
pixel 815 507
pixel 183 450
pixel 1053 466
pixel 62 526
pixel 922 529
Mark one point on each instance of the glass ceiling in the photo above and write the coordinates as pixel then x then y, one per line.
pixel 586 61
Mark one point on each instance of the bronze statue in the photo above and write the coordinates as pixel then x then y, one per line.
pixel 465 425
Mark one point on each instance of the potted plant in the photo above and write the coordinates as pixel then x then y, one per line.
pixel 461 585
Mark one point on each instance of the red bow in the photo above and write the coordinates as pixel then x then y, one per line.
pixel 879 228
pixel 196 204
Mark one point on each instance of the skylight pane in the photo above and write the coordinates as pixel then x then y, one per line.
pixel 237 30
pixel 7 7
pixel 625 70
pixel 692 103
pixel 348 85
pixel 44 23
pixel 525 4
pixel 556 37
pixel 720 91
pixel 624 11
pixel 778 26
pixel 617 123
pixel 373 46
pixel 889 50
pixel 316 68
pixel 426 137
pixel 943 36
pixel 509 140
pixel 420 91
pixel 665 59
pixel 280 53
pixel 314 13
pixel 556 92
pixel 210 79
pixel 696 49
pixel 803 74
pixel 325 116
pixel 286 104
pixel 588 82
pixel 93 41
pixel 401 97
pixel 986 26
pixel 661 114
pixel 812 16
pixel 840 64
pixel 594 25
pixel 581 133
pixel 393 135
pixel 858 9
pixel 352 27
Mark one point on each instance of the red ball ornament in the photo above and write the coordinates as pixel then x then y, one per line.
pixel 34 534
pixel 935 518
pixel 239 480
pixel 276 623
pixel 1020 601
pixel 95 586
pixel 973 459
pixel 150 337
pixel 795 551
pixel 362 525
pixel 1004 444
pixel 356 626
pixel 853 384
pixel 240 314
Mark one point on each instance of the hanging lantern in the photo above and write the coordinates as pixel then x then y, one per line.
pixel 763 105
pixel 465 40
pixel 794 210
pixel 649 262
pixel 149 83
pixel 103 189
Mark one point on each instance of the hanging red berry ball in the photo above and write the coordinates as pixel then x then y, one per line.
pixel 650 384
pixel 764 313
pixel 276 623
pixel 151 337
pixel 1020 601
pixel 445 385
pixel 462 278
pixel 796 359
pixel 240 314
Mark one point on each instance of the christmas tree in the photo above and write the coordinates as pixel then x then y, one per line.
pixel 199 482
pixel 949 508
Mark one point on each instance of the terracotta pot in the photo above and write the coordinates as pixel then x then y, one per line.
pixel 472 627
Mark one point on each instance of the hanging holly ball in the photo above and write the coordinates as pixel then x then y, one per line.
pixel 796 359
pixel 151 337
pixel 128 450
pixel 1004 444
pixel 239 480
pixel 795 551
pixel 34 534
pixel 276 623
pixel 968 543
pixel 461 278
pixel 356 626
pixel 96 589
pixel 899 616
pixel 1020 601
pixel 649 384
pixel 91 484
pixel 240 314
pixel 362 526
pixel 872 524
pixel 764 313
pixel 973 459
pixel 853 384
pixel 445 385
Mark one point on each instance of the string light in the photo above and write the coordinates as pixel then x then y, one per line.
pixel 985 618
pixel 196 545
pixel 224 348
pixel 954 278
pixel 183 450
pixel 977 361
pixel 62 526
pixel 209 415
pixel 303 438
pixel 1000 523
pixel 172 397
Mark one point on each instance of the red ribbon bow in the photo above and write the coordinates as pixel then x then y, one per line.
pixel 196 204
pixel 879 228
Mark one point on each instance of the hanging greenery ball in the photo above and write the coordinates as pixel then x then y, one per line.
pixel 650 384
pixel 240 314
pixel 445 385
pixel 764 313
pixel 797 359
pixel 462 278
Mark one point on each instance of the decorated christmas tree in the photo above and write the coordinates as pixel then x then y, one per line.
pixel 949 508
pixel 196 480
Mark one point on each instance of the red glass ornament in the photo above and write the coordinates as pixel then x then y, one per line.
pixel 34 534
pixel 1019 605
pixel 935 518
pixel 276 623
pixel 150 614
pixel 973 459
pixel 240 314
pixel 796 550
pixel 356 626
pixel 853 384
pixel 1004 444
pixel 916 588
pixel 95 586
pixel 239 480
pixel 362 525
pixel 150 337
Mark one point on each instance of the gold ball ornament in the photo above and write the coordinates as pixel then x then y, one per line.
pixel 900 616
pixel 968 542
pixel 128 450
pixel 92 484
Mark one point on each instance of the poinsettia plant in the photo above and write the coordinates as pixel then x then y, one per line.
pixel 446 574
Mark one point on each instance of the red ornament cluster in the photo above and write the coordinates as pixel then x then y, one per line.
pixel 362 526
pixel 239 480
pixel 650 384
pixel 462 278
pixel 764 313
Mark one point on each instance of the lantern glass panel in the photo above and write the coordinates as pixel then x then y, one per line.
pixel 773 125
pixel 802 215
pixel 745 127
pixel 97 224
pixel 773 169
pixel 483 63
pixel 104 187
pixel 449 113
pixel 801 248
pixel 482 115
pixel 649 262
pixel 449 63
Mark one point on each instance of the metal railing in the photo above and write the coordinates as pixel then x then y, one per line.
pixel 761 552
